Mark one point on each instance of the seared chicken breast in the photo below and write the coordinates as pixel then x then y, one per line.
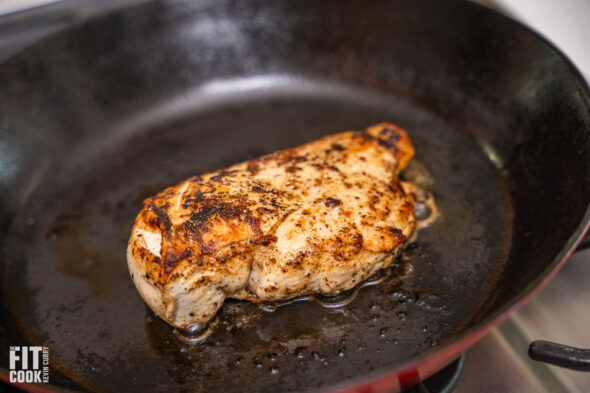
pixel 316 219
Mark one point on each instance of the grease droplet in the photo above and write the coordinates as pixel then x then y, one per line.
pixel 401 295
pixel 301 352
pixel 197 332
pixel 422 211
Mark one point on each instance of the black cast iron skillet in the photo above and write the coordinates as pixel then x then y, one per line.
pixel 99 116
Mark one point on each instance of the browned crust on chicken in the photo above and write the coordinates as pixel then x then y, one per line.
pixel 320 217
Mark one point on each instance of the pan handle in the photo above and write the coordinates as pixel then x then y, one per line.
pixel 560 355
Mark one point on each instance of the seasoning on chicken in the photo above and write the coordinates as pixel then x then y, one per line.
pixel 316 219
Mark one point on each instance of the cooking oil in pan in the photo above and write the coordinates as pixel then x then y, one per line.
pixel 333 301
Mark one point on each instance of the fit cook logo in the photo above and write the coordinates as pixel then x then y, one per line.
pixel 29 364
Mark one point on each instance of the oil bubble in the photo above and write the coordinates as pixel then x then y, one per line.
pixel 197 332
pixel 301 352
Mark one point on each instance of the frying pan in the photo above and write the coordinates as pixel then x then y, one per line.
pixel 99 116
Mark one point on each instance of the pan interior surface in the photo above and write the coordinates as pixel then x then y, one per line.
pixel 85 307
pixel 98 117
